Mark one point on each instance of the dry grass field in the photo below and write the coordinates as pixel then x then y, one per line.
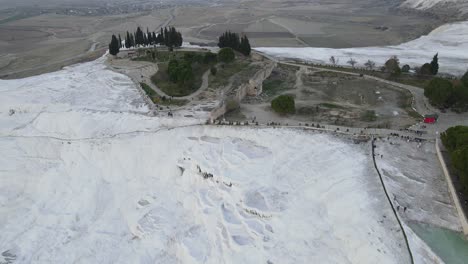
pixel 32 43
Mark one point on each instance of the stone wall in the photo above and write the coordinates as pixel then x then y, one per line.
pixel 253 87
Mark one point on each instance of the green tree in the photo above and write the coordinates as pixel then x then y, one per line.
pixel 426 69
pixel 210 57
pixel 154 38
pixel 127 40
pixel 172 70
pixel 226 55
pixel 180 72
pixel 392 65
pixel 455 139
pixel 185 74
pixel 132 40
pixel 231 40
pixel 459 159
pixel 284 104
pixel 439 92
pixel 139 37
pixel 161 37
pixel 114 46
pixel 435 64
pixel 460 97
pixel 245 46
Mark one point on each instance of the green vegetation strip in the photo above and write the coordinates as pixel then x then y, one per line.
pixel 455 139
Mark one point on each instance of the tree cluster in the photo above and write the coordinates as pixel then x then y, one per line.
pixel 445 93
pixel 430 68
pixel 232 40
pixel 455 139
pixel 180 71
pixel 284 104
pixel 169 37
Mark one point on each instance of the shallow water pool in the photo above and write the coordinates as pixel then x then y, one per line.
pixel 450 246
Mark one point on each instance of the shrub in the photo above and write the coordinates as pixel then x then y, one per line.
pixel 150 92
pixel 213 70
pixel 226 55
pixel 231 105
pixel 283 104
pixel 369 116
pixel 191 57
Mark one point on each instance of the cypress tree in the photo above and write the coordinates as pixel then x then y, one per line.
pixel 161 36
pixel 139 37
pixel 179 39
pixel 149 36
pixel 248 48
pixel 232 40
pixel 174 37
pixel 132 40
pixel 166 37
pixel 127 40
pixel 435 64
pixel 120 42
pixel 155 39
pixel 245 46
pixel 114 46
